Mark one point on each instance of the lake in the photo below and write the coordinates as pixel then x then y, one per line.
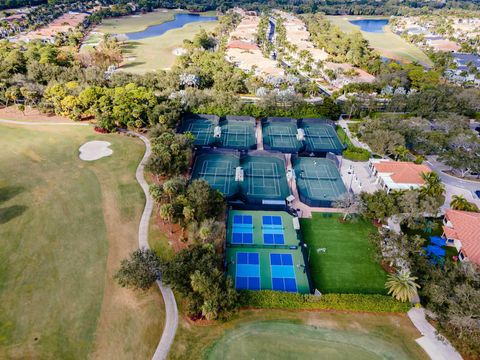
pixel 370 25
pixel 179 21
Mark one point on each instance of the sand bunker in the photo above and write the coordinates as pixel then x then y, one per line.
pixel 94 150
pixel 179 51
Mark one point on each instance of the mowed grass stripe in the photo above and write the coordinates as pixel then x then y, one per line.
pixel 348 264
pixel 59 248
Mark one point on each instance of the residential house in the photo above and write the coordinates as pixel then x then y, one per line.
pixel 398 175
pixel 462 230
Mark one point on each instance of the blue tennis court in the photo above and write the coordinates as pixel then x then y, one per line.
pixel 272 220
pixel 242 229
pixel 283 272
pixel 273 230
pixel 248 271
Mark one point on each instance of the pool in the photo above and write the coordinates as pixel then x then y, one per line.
pixel 370 25
pixel 179 21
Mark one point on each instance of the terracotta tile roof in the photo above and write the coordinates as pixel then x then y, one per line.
pixel 237 44
pixel 466 228
pixel 403 172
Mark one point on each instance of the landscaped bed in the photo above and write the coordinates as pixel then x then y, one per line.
pixel 341 257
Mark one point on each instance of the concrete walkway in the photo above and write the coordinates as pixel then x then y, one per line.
pixel 171 311
pixel 259 135
pixel 344 124
pixel 437 347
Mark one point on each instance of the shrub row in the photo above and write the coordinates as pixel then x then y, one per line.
pixel 356 154
pixel 268 299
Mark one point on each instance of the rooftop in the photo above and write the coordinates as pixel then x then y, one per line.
pixel 402 172
pixel 465 227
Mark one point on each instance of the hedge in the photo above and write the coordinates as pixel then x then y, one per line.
pixel 267 299
pixel 356 154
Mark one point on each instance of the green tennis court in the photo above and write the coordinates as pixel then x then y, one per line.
pixel 280 134
pixel 264 178
pixel 201 127
pixel 318 181
pixel 238 132
pixel 263 252
pixel 218 170
pixel 320 137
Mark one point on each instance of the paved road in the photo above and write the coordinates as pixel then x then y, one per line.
pixel 171 311
pixel 438 167
pixel 438 348
pixel 344 124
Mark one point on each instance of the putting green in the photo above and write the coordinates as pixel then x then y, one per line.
pixel 286 340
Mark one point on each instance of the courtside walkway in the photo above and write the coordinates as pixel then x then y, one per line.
pixel 259 135
pixel 438 348
pixel 171 311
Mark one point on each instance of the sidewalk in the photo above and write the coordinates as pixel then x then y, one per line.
pixel 434 345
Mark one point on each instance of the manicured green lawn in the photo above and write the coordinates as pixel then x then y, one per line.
pixel 347 265
pixel 134 23
pixel 280 334
pixel 157 52
pixel 388 44
pixel 153 53
pixel 65 224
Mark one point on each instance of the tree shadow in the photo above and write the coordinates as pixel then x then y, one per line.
pixel 9 192
pixel 132 64
pixel 11 212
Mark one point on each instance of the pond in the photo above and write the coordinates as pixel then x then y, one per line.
pixel 370 25
pixel 179 21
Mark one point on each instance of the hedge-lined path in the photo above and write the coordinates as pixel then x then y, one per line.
pixel 171 311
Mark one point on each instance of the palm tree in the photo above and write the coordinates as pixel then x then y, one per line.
pixel 401 153
pixel 433 185
pixel 402 285
pixel 460 203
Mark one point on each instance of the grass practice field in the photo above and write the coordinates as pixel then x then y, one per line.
pixel 341 256
pixel 65 225
pixel 153 53
pixel 279 334
pixel 388 44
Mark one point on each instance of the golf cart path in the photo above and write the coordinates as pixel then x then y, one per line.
pixel 171 311
pixel 437 347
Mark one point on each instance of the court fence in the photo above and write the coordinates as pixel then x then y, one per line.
pixel 212 131
pixel 264 181
pixel 315 136
pixel 318 188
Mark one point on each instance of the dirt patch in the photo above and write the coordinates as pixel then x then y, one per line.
pixel 12 113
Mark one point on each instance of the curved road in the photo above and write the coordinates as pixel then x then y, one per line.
pixel 171 311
